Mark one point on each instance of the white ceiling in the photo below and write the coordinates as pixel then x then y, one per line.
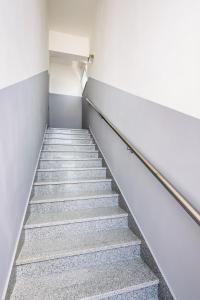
pixel 72 16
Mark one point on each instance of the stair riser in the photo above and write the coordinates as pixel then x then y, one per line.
pixel 60 130
pixel 69 175
pixel 49 164
pixel 78 261
pixel 69 147
pixel 59 231
pixel 73 205
pixel 67 136
pixel 148 293
pixel 67 155
pixel 53 189
pixel 68 142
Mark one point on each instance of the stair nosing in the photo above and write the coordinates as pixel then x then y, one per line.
pixel 47 135
pixel 80 252
pixel 75 221
pixel 65 199
pixel 73 129
pixel 71 169
pixel 123 290
pixel 68 132
pixel 71 181
pixel 71 159
pixel 70 151
pixel 69 144
pixel 57 138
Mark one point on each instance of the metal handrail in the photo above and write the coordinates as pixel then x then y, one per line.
pixel 189 208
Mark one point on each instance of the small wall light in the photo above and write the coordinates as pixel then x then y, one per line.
pixel 91 59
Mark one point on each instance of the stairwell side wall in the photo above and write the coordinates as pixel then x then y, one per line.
pixel 170 233
pixel 23 118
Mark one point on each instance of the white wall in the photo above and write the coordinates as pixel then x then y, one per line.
pixel 74 17
pixel 23 115
pixel 150 49
pixel 23 40
pixel 65 102
pixel 168 139
pixel 67 43
pixel 65 79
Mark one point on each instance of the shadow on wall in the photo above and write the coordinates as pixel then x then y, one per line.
pixel 65 111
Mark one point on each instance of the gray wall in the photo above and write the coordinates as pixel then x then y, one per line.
pixel 23 117
pixel 169 139
pixel 65 111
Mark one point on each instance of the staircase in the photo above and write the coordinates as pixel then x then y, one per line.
pixel 76 243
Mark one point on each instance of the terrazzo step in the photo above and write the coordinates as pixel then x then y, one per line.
pixel 68 174
pixel 66 128
pixel 68 131
pixel 72 202
pixel 70 162
pixel 68 135
pixel 72 147
pixel 36 220
pixel 76 244
pixel 130 279
pixel 64 187
pixel 70 141
pixel 56 225
pixel 68 154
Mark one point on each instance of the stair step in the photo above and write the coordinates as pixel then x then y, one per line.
pixel 56 225
pixel 76 243
pixel 69 217
pixel 68 129
pixel 70 147
pixel 64 187
pixel 75 201
pixel 131 277
pixel 68 141
pixel 67 174
pixel 65 163
pixel 68 135
pixel 68 154
pixel 61 130
pixel 72 197
pixel 73 244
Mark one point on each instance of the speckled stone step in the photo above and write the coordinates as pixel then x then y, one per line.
pixel 55 225
pixel 64 187
pixel 73 244
pixel 73 201
pixel 36 220
pixel 67 135
pixel 68 141
pixel 131 277
pixel 70 173
pixel 70 162
pixel 68 131
pixel 70 147
pixel 68 154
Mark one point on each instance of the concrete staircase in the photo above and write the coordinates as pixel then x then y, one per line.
pixel 76 243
